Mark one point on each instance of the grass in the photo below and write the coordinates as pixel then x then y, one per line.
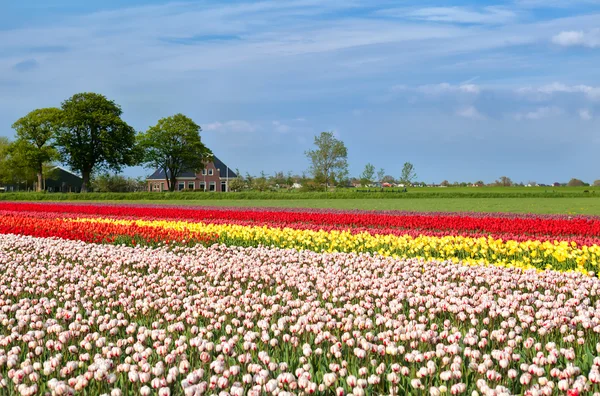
pixel 573 205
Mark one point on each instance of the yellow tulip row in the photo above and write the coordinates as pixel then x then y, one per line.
pixel 531 254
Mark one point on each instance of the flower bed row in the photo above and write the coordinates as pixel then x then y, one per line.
pixel 531 254
pixel 569 254
pixel 103 319
pixel 553 227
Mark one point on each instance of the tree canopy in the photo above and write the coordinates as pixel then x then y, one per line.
pixel 329 161
pixel 174 146
pixel 35 140
pixel 368 174
pixel 93 136
pixel 408 173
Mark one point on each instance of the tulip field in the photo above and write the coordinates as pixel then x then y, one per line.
pixel 152 300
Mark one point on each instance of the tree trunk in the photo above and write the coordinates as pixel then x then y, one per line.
pixel 172 186
pixel 86 181
pixel 40 180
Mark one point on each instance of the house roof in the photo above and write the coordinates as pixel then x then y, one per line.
pixel 66 170
pixel 224 172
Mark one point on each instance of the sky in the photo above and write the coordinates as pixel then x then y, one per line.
pixel 464 90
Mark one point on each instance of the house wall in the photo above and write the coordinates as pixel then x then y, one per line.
pixel 203 178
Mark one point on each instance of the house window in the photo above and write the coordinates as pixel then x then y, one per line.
pixel 211 186
pixel 223 186
pixel 191 185
pixel 181 186
pixel 162 186
pixel 155 186
pixel 203 172
pixel 202 186
pixel 210 172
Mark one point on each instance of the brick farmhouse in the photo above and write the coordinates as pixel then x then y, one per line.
pixel 214 177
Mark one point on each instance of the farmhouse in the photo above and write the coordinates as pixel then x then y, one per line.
pixel 214 177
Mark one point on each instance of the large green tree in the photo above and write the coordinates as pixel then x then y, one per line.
pixel 329 161
pixel 35 140
pixel 174 146
pixel 93 136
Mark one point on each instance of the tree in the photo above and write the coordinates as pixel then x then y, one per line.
pixel 388 179
pixel 445 183
pixel 237 184
pixel 575 183
pixel 408 173
pixel 381 175
pixel 93 136
pixel 368 174
pixel 35 139
pixel 596 183
pixel 174 146
pixel 504 181
pixel 330 159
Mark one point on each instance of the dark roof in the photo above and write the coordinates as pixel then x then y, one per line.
pixel 160 175
pixel 223 169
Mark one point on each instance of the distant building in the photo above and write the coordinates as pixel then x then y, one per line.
pixel 214 177
pixel 57 179
pixel 63 180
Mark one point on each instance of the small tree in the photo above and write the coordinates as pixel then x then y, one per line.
pixel 94 137
pixel 237 184
pixel 381 175
pixel 596 183
pixel 408 173
pixel 329 160
pixel 575 183
pixel 35 140
pixel 368 174
pixel 504 181
pixel 388 179
pixel 445 183
pixel 174 146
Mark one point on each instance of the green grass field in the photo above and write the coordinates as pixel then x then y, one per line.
pixel 517 205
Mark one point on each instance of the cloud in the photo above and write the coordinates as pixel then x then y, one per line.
pixel 445 88
pixel 585 114
pixel 26 65
pixel 470 112
pixel 238 126
pixel 485 15
pixel 578 38
pixel 539 113
pixel 591 92
pixel 280 127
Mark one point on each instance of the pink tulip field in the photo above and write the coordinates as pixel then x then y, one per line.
pixel 99 317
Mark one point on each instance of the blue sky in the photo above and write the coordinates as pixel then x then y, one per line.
pixel 465 90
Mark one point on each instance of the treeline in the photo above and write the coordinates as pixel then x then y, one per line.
pixel 88 134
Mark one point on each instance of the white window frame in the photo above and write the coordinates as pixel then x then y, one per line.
pixel 212 186
pixel 203 172
pixel 179 186
pixel 210 172
pixel 202 186
pixel 191 185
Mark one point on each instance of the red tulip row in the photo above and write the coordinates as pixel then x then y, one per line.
pixel 525 227
pixel 578 240
pixel 96 232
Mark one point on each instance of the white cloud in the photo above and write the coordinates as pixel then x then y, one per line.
pixel 470 112
pixel 539 113
pixel 578 38
pixel 591 92
pixel 280 127
pixel 239 126
pixel 445 88
pixel 485 15
pixel 585 114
